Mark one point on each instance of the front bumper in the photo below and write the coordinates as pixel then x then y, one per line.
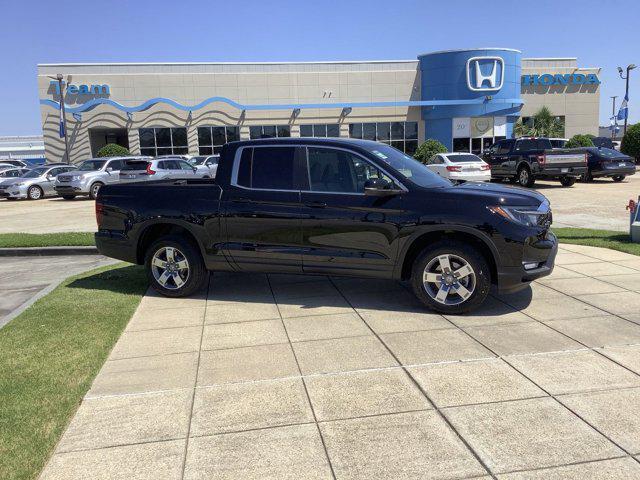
pixel 72 188
pixel 540 251
pixel 13 192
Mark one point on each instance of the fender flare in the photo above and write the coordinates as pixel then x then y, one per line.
pixel 144 227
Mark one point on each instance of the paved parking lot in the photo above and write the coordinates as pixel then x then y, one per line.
pixel 600 204
pixel 291 377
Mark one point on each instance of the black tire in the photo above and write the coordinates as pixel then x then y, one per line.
pixel 524 177
pixel 197 276
pixel 34 192
pixel 618 178
pixel 587 177
pixel 460 251
pixel 567 181
pixel 94 189
pixel 68 197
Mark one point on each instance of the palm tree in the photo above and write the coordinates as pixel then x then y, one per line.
pixel 545 124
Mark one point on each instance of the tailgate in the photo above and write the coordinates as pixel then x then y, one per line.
pixel 576 159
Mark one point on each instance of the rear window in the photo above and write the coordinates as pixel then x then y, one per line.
pixel 609 153
pixel 269 168
pixel 465 157
pixel 135 165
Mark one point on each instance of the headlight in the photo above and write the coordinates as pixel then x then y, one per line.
pixel 18 184
pixel 75 178
pixel 522 215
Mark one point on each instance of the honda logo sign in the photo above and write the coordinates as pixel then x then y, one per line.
pixel 485 74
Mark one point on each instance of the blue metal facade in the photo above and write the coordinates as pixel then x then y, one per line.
pixel 451 75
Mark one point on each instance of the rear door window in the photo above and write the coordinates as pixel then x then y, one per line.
pixel 135 165
pixel 268 168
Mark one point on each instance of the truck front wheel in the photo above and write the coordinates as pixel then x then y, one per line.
pixel 567 181
pixel 524 178
pixel 175 267
pixel 451 277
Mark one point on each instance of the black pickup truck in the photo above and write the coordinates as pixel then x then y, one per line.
pixel 330 207
pixel 525 159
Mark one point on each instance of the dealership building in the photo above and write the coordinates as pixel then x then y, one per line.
pixel 466 99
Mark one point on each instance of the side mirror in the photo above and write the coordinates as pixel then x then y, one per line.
pixel 378 187
pixel 109 169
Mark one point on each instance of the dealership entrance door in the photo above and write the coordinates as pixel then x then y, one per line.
pixel 477 134
pixel 99 137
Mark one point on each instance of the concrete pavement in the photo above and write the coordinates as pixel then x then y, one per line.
pixel 600 204
pixel 289 377
pixel 25 279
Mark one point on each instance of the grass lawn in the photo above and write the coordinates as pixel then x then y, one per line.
pixel 67 239
pixel 598 238
pixel 50 354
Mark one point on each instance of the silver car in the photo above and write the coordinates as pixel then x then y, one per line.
pixel 9 173
pixel 35 184
pixel 160 169
pixel 90 176
pixel 206 163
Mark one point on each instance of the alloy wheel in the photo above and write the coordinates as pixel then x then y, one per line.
pixel 449 279
pixel 524 176
pixel 35 193
pixel 170 268
pixel 95 189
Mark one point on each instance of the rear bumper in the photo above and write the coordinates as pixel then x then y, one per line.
pixel 560 171
pixel 116 245
pixel 612 171
pixel 541 252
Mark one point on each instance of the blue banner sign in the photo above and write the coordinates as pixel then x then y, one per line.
pixel 83 89
pixel 560 79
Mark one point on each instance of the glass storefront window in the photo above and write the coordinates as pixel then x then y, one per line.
pixel 320 130
pixel 401 135
pixel 269 131
pixel 163 141
pixel 211 139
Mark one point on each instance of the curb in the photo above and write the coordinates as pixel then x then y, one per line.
pixel 46 251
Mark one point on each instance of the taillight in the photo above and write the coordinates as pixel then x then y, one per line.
pixel 99 213
pixel 452 168
pixel 150 171
pixel 485 167
pixel 586 158
pixel 542 159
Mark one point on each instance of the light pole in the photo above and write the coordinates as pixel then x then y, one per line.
pixel 613 112
pixel 626 92
pixel 63 117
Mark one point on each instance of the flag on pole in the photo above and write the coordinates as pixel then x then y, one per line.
pixel 62 132
pixel 623 113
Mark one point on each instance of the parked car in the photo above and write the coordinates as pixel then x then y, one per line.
pixel 460 167
pixel 13 162
pixel 7 173
pixel 35 184
pixel 330 206
pixel 558 142
pixel 90 176
pixel 606 162
pixel 528 158
pixel 159 169
pixel 206 163
pixel 604 142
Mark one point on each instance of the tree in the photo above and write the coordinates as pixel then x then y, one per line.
pixel 113 150
pixel 544 124
pixel 631 142
pixel 429 149
pixel 580 141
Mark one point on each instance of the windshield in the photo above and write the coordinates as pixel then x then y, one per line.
pixel 196 160
pixel 465 157
pixel 609 153
pixel 91 165
pixel 35 173
pixel 408 167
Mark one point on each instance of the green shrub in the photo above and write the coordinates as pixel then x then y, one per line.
pixel 580 141
pixel 631 142
pixel 113 150
pixel 429 149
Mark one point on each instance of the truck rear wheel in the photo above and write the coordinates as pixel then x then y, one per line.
pixel 451 277
pixel 524 178
pixel 175 267
pixel 567 181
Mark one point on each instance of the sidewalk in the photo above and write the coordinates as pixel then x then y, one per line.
pixel 289 377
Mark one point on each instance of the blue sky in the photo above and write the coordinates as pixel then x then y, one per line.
pixel 603 34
